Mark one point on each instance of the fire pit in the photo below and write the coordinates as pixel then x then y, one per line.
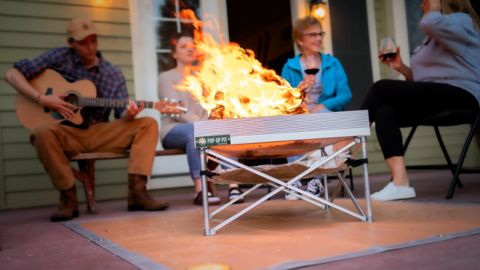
pixel 263 116
pixel 281 136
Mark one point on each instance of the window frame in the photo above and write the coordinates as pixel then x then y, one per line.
pixel 178 23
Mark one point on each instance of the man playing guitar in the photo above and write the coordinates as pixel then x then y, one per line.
pixel 55 142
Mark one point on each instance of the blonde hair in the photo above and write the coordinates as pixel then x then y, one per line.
pixel 464 6
pixel 300 26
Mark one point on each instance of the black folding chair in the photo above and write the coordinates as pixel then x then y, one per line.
pixel 449 118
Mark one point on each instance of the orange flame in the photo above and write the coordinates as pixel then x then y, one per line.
pixel 230 83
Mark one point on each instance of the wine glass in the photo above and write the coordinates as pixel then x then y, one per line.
pixel 387 49
pixel 386 52
pixel 311 65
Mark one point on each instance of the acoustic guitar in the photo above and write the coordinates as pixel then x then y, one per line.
pixel 81 93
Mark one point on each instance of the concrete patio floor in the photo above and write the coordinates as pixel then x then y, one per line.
pixel 28 240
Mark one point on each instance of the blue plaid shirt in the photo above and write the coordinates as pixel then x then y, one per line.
pixel 108 79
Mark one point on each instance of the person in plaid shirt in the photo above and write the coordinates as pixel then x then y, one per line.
pixel 56 142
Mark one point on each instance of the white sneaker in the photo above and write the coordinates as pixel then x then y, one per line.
pixel 391 192
pixel 291 197
pixel 315 186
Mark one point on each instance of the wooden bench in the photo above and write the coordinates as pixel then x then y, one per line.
pixel 86 170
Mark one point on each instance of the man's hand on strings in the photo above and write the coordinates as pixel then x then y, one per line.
pixel 133 109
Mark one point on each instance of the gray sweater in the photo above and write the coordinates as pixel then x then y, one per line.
pixel 451 54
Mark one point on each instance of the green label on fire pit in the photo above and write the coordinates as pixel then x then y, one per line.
pixel 208 141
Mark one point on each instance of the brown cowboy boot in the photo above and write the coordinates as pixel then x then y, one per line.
pixel 138 198
pixel 68 208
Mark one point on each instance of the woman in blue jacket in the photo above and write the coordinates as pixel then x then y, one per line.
pixel 320 74
pixel 328 89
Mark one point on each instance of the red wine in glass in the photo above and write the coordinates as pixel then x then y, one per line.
pixel 388 49
pixel 388 56
pixel 312 71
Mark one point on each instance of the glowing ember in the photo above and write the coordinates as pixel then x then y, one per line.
pixel 230 83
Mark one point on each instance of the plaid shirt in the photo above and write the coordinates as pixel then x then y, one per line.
pixel 108 79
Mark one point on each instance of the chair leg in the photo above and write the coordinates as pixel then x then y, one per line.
pixel 451 166
pixel 477 135
pixel 86 175
pixel 409 138
pixel 342 193
pixel 461 159
pixel 351 178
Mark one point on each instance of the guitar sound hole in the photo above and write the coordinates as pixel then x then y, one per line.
pixel 72 99
pixel 56 115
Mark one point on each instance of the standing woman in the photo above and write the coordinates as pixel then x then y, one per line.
pixel 320 73
pixel 444 75
pixel 177 133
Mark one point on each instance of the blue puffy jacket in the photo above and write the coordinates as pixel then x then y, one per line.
pixel 336 92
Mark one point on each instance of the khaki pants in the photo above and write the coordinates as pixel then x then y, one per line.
pixel 55 143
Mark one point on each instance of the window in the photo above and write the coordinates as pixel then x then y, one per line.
pixel 167 25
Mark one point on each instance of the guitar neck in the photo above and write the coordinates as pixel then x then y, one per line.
pixel 111 102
